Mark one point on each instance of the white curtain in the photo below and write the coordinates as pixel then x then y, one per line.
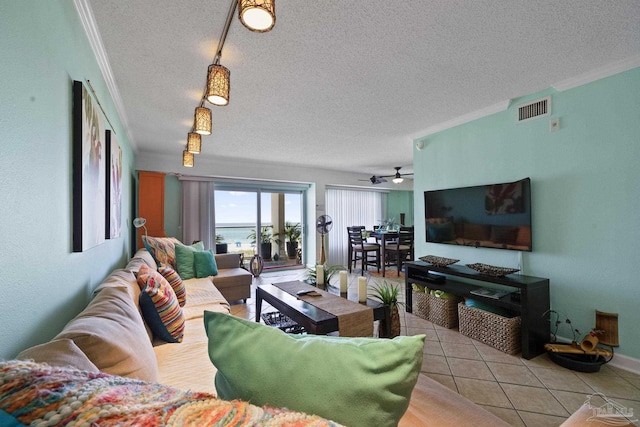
pixel 198 213
pixel 348 208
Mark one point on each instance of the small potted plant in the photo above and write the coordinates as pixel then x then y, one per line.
pixel 329 272
pixel 221 246
pixel 292 232
pixel 387 293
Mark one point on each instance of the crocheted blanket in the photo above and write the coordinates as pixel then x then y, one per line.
pixel 41 395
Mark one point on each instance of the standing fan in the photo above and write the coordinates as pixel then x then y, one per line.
pixel 324 223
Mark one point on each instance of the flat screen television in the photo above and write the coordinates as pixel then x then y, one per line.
pixel 490 216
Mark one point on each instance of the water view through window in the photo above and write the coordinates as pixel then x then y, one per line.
pixel 279 213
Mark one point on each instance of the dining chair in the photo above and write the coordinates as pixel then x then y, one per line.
pixel 360 249
pixel 401 249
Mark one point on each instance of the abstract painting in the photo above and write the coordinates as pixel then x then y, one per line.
pixel 89 171
pixel 114 187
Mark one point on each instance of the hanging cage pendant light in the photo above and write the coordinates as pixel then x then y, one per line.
pixel 257 15
pixel 187 159
pixel 194 143
pixel 202 121
pixel 218 85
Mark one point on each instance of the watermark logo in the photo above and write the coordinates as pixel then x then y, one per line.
pixel 608 411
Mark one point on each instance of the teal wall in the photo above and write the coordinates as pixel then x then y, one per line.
pixel 400 202
pixel 585 181
pixel 44 284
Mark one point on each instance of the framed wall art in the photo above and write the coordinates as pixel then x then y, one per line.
pixel 114 187
pixel 89 171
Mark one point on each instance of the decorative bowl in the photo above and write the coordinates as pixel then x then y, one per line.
pixel 492 270
pixel 438 261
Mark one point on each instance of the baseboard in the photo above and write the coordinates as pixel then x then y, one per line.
pixel 625 362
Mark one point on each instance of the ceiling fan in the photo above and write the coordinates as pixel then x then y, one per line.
pixel 397 178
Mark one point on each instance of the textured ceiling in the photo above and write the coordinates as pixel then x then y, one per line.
pixel 345 84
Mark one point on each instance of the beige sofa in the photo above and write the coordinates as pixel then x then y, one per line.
pixel 111 336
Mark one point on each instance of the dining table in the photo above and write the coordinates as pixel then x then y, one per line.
pixel 383 236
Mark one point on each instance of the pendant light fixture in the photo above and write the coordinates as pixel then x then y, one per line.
pixel 258 15
pixel 218 85
pixel 202 121
pixel 187 159
pixel 194 143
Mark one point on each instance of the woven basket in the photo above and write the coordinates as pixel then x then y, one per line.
pixel 443 311
pixel 492 329
pixel 420 304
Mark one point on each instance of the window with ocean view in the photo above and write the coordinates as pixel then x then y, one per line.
pixel 264 222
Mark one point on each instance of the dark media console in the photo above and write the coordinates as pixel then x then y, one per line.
pixel 530 299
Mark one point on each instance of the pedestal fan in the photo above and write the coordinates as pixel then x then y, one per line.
pixel 324 223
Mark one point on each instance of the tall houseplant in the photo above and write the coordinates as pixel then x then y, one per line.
pixel 387 294
pixel 265 241
pixel 292 232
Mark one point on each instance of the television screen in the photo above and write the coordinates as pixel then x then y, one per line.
pixel 491 216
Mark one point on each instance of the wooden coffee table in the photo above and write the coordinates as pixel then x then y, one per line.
pixel 314 320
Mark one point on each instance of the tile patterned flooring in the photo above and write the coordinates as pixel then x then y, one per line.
pixel 532 393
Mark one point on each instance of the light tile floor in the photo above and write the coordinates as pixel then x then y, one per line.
pixel 532 393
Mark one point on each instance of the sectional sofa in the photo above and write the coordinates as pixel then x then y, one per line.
pixel 108 353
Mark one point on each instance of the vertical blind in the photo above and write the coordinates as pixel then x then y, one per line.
pixel 347 208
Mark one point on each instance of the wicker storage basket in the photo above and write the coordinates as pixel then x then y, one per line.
pixel 443 311
pixel 492 329
pixel 420 304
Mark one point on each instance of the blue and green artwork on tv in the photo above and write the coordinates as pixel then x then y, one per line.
pixel 490 216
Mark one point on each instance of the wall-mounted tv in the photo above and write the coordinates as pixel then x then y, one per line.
pixel 491 216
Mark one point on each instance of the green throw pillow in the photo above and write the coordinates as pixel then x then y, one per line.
pixel 354 381
pixel 205 264
pixel 185 259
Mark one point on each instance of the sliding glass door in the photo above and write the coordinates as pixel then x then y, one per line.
pixel 260 221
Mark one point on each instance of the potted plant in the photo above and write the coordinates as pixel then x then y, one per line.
pixel 329 272
pixel 387 293
pixel 221 246
pixel 265 241
pixel 292 232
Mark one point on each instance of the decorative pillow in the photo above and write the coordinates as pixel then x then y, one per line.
pixel 174 279
pixel 185 260
pixel 162 249
pixel 440 232
pixel 355 381
pixel 205 264
pixel 104 400
pixel 159 306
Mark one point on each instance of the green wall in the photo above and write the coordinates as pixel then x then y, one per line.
pixel 585 180
pixel 44 284
pixel 400 202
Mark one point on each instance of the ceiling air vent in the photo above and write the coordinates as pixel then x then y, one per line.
pixel 533 109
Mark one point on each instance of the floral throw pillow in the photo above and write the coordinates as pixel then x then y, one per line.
pixel 162 249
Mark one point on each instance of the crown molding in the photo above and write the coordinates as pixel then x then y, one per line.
pixel 93 34
pixel 466 118
pixel 599 73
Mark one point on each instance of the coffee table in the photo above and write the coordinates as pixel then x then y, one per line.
pixel 316 321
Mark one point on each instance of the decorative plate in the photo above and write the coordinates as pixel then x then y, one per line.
pixel 438 261
pixel 492 270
